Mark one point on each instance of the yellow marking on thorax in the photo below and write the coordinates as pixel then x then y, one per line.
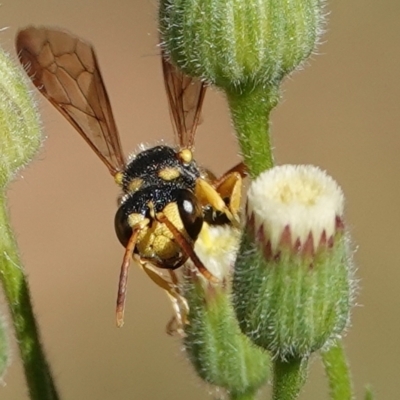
pixel 169 173
pixel 135 184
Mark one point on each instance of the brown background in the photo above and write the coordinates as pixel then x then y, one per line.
pixel 341 112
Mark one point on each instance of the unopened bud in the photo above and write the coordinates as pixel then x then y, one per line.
pixel 20 134
pixel 233 43
pixel 293 283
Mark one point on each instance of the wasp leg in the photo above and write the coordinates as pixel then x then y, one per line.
pixel 186 247
pixel 181 310
pixel 179 303
pixel 231 188
pixel 175 326
pixel 180 319
pixel 123 277
pixel 240 168
pixel 209 196
pixel 181 307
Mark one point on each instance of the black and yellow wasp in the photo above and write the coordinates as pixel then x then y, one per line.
pixel 171 210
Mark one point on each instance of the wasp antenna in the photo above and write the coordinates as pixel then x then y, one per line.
pixel 123 277
pixel 187 248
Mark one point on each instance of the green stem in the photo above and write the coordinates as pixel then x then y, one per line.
pixel 37 371
pixel 250 114
pixel 338 373
pixel 289 378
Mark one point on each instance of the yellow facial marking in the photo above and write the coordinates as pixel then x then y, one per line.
pixel 172 213
pixel 135 219
pixel 156 240
pixel 169 174
pixel 135 184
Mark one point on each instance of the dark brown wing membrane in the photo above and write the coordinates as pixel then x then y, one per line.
pixel 65 69
pixel 185 97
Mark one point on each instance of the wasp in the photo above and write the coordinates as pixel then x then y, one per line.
pixel 169 204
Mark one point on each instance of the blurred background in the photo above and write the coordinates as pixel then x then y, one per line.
pixel 341 113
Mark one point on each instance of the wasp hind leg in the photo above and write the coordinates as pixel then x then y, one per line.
pixel 223 195
pixel 230 190
pixel 239 168
pixel 209 196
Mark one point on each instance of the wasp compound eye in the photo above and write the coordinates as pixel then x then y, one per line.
pixel 190 212
pixel 122 227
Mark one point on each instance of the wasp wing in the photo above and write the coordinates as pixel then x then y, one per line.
pixel 65 69
pixel 185 97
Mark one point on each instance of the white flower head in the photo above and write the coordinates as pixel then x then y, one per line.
pixel 296 203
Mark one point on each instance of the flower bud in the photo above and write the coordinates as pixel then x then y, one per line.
pixel 221 355
pixel 293 286
pixel 20 134
pixel 236 43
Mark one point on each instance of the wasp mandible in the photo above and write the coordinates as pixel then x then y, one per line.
pixel 167 199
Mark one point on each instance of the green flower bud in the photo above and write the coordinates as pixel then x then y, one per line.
pixel 293 286
pixel 20 134
pixel 20 138
pixel 239 43
pixel 221 355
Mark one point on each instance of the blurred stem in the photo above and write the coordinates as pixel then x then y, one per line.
pixel 338 372
pixel 242 396
pixel 250 112
pixel 369 394
pixel 37 372
pixel 4 347
pixel 289 378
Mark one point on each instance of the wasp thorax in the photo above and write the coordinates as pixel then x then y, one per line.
pixel 157 166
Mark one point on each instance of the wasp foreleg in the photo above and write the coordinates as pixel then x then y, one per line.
pixel 186 247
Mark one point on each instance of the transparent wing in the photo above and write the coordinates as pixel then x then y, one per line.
pixel 65 69
pixel 185 97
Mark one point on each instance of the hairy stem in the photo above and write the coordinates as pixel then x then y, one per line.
pixel 289 378
pixel 37 371
pixel 250 114
pixel 338 373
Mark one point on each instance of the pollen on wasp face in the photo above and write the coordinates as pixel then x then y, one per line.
pixel 293 282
